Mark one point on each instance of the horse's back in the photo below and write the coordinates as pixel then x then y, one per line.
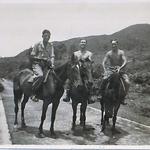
pixel 22 77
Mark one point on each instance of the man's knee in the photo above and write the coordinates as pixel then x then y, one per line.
pixel 128 82
pixel 37 70
pixel 126 79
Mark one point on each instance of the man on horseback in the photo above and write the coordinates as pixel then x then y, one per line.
pixel 42 53
pixel 114 58
pixel 78 57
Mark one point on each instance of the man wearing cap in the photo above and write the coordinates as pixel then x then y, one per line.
pixel 114 58
pixel 42 51
pixel 78 56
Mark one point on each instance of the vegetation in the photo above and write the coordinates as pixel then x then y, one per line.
pixel 133 39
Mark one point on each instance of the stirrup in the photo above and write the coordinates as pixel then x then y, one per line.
pixel 123 103
pixel 91 101
pixel 66 99
pixel 34 99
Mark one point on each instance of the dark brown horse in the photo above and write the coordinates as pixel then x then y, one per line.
pixel 80 91
pixel 50 92
pixel 111 100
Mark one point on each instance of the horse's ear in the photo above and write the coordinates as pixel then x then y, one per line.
pixel 87 59
pixel 81 60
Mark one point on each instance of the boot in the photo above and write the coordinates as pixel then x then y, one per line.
pixel 123 102
pixel 34 99
pixel 91 101
pixel 66 97
pixel 101 95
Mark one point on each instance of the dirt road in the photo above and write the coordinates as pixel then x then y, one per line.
pixel 130 133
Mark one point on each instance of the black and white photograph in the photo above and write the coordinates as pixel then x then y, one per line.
pixel 74 73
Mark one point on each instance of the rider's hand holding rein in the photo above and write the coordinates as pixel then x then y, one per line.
pixel 118 68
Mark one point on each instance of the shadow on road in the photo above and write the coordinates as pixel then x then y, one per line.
pixel 114 136
pixel 78 136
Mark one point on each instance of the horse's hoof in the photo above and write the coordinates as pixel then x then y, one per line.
pixel 15 127
pixel 85 128
pixel 81 123
pixel 114 130
pixel 102 129
pixel 41 135
pixel 53 134
pixel 23 125
pixel 73 128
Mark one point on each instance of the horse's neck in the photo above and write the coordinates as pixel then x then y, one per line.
pixel 61 72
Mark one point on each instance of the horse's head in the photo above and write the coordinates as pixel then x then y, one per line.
pixel 75 75
pixel 112 92
pixel 86 72
pixel 114 79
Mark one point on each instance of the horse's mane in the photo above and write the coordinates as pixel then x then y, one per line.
pixel 61 68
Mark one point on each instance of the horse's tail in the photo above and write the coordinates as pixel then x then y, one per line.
pixel 17 90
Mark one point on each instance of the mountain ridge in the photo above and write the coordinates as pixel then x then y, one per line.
pixel 133 39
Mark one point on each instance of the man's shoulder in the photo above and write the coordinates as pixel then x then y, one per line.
pixel 50 43
pixel 121 51
pixel 89 52
pixel 37 44
pixel 109 52
pixel 77 52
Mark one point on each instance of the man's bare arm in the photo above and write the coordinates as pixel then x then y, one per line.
pixel 124 60
pixel 105 61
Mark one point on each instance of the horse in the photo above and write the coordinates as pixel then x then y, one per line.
pixel 111 100
pixel 80 90
pixel 50 92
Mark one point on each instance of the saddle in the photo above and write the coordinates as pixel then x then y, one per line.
pixel 36 81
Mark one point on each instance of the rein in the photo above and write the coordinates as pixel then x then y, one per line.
pixel 53 73
pixel 57 77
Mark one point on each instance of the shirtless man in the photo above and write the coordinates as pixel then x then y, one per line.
pixel 80 55
pixel 114 58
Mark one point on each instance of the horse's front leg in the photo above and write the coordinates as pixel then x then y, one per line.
pixel 55 104
pixel 16 112
pixel 84 106
pixel 74 107
pixel 115 117
pixel 102 112
pixel 104 122
pixel 81 115
pixel 44 110
pixel 23 104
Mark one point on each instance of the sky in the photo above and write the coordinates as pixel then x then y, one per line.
pixel 21 22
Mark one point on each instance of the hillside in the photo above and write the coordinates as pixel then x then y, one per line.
pixel 133 39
